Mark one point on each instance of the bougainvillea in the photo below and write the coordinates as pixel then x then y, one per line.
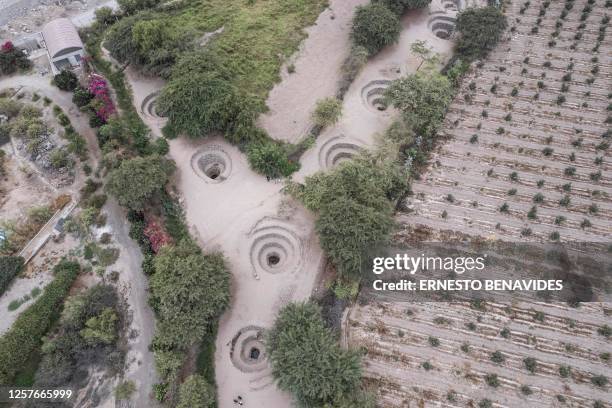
pixel 103 104
pixel 156 234
pixel 12 59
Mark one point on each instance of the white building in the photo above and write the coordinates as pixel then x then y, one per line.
pixel 64 46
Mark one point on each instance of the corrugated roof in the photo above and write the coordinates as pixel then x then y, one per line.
pixel 60 35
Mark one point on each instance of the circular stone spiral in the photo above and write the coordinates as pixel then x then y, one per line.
pixel 275 248
pixel 212 164
pixel 248 352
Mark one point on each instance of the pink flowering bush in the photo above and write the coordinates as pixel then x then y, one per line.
pixel 102 102
pixel 156 234
pixel 12 59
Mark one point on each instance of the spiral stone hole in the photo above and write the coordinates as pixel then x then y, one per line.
pixel 254 353
pixel 273 259
pixel 212 165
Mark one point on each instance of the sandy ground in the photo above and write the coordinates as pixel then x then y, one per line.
pixel 317 71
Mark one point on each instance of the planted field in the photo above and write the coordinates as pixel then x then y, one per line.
pixel 529 133
pixel 461 355
pixel 526 158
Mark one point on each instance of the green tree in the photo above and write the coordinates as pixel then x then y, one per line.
pixel 347 229
pixel 375 27
pixel 306 359
pixel 270 159
pixel 188 290
pixel 400 6
pixel 133 6
pixel 354 212
pixel 423 99
pixel 101 328
pixel 195 392
pixel 481 29
pixel 66 81
pixel 136 180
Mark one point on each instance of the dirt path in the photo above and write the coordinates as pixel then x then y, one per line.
pixel 317 72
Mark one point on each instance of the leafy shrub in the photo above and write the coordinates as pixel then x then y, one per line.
pixel 327 112
pixel 23 338
pixel 270 159
pixel 423 99
pixel 196 392
pixel 400 6
pixel 353 209
pixel 188 290
pixel 10 266
pixel 530 364
pixel 66 81
pixel 81 97
pixel 125 390
pixel 201 103
pixel 375 27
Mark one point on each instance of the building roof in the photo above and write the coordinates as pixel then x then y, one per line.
pixel 61 37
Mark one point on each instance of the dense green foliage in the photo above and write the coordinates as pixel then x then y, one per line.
pixel 423 99
pixel 481 29
pixel 352 202
pixel 10 266
pixel 132 6
pixel 199 104
pixel 195 392
pixel 189 290
pixel 400 6
pixel 270 159
pixel 375 27
pixel 306 359
pixel 148 42
pixel 66 81
pixel 85 336
pixel 136 180
pixel 24 336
